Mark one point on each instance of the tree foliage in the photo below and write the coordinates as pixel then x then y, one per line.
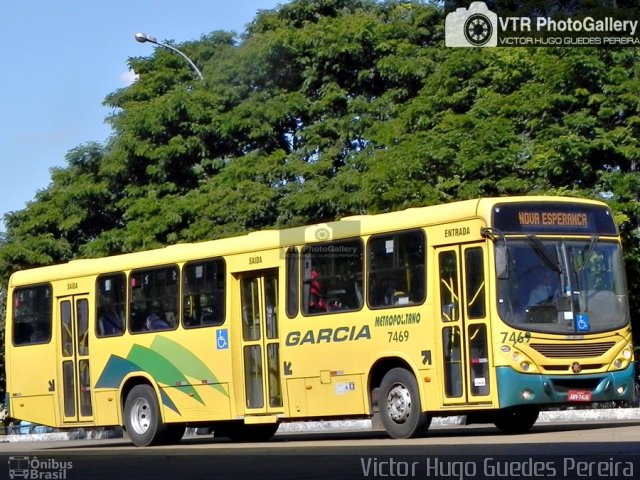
pixel 326 108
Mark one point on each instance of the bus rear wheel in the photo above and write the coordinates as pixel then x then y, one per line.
pixel 399 403
pixel 516 419
pixel 142 417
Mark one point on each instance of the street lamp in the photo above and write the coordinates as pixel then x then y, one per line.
pixel 143 37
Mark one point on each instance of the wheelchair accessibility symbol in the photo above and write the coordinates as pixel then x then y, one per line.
pixel 582 322
pixel 222 339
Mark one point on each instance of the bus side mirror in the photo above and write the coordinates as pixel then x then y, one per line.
pixel 502 261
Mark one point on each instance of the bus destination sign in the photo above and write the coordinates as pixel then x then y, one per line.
pixel 545 217
pixel 554 219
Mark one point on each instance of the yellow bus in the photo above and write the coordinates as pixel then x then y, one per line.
pixel 493 308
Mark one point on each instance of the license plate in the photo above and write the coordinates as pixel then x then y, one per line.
pixel 579 396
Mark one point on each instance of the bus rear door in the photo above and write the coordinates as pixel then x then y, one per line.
pixel 260 343
pixel 461 297
pixel 73 370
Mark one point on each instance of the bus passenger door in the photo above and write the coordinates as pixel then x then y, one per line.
pixel 260 343
pixel 74 359
pixel 461 297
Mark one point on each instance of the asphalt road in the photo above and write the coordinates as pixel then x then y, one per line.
pixel 581 450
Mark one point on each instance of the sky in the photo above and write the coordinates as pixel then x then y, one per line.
pixel 59 61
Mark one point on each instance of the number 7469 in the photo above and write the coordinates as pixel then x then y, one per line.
pixel 513 337
pixel 402 336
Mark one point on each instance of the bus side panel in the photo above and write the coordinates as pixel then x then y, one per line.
pixel 31 383
pixel 190 374
pixel 297 398
pixel 107 412
pixel 329 358
pixel 429 388
pixel 202 392
pixel 335 394
pixel 196 403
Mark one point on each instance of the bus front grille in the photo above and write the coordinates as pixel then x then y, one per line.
pixel 567 368
pixel 577 350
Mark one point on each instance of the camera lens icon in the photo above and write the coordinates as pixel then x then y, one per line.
pixel 476 26
pixel 322 234
pixel 478 29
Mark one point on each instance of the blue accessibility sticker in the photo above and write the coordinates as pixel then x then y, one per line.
pixel 582 322
pixel 222 339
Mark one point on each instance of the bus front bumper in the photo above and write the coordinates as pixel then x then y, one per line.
pixel 516 388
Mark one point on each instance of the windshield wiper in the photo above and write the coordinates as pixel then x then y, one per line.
pixel 544 254
pixel 587 256
pixel 549 260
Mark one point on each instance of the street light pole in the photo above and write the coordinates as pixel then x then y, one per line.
pixel 143 37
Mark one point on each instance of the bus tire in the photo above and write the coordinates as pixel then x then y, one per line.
pixel 142 416
pixel 516 419
pixel 399 403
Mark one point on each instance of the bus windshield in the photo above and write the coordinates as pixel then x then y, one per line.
pixel 563 286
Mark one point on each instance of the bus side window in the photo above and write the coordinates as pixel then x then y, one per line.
pixel 154 299
pixel 396 269
pixel 292 282
pixel 203 289
pixel 32 307
pixel 110 305
pixel 332 276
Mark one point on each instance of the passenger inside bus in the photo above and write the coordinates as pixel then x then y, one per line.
pixel 156 319
pixel 109 322
pixel 545 290
pixel 317 301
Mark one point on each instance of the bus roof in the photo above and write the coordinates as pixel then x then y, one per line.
pixel 266 239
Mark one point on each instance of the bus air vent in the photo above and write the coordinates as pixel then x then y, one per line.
pixel 577 350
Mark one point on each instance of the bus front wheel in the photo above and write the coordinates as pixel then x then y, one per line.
pixel 399 403
pixel 142 416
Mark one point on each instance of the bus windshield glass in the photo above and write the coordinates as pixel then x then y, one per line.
pixel 563 286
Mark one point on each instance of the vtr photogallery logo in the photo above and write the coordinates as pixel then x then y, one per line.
pixel 476 26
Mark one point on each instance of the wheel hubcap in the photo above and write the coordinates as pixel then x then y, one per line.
pixel 140 415
pixel 399 404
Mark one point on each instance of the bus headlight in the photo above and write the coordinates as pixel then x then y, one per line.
pixel 519 361
pixel 624 357
pixel 527 394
